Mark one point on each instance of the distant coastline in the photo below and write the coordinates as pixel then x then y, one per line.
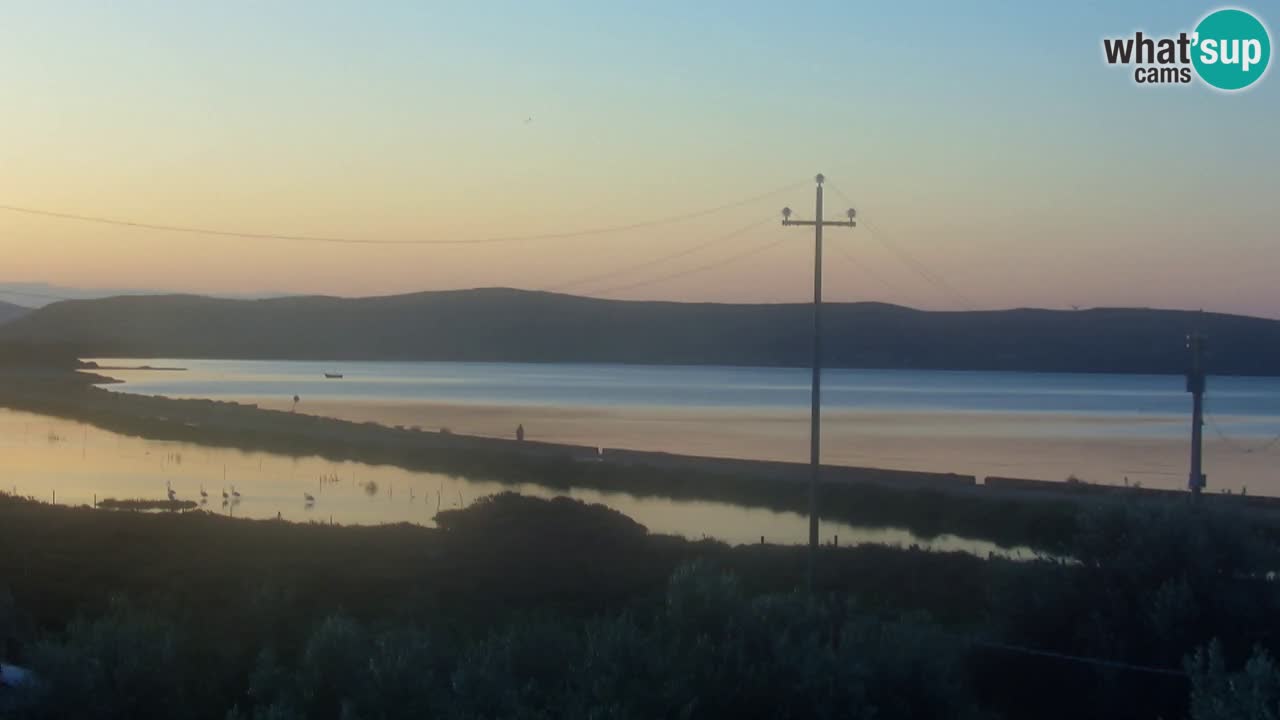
pixel 505 325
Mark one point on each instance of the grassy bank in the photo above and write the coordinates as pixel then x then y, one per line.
pixel 523 554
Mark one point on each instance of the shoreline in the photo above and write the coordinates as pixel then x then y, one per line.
pixel 138 367
pixel 1034 513
pixel 640 364
pixel 1100 450
pixel 1119 434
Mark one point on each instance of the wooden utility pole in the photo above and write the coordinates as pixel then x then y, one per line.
pixel 1195 385
pixel 815 411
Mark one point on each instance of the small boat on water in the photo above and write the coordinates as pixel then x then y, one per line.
pixel 333 376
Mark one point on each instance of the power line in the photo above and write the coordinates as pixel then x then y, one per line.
pixel 193 230
pixel 906 258
pixel 1233 444
pixel 1244 449
pixel 863 269
pixel 656 261
pixel 918 267
pixel 1083 659
pixel 701 268
pixel 587 280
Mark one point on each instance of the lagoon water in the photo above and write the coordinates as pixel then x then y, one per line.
pixel 1101 428
pixel 565 385
pixel 72 463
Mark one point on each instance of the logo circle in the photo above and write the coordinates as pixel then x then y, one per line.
pixel 1232 49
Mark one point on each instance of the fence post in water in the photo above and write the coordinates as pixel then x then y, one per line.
pixel 835 540
pixel 55 497
pixel 761 539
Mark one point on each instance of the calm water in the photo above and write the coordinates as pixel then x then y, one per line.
pixel 71 463
pixel 1101 428
pixel 1255 401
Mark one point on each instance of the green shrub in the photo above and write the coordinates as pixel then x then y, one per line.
pixel 1253 693
pixel 123 665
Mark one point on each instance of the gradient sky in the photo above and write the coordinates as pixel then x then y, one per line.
pixel 989 141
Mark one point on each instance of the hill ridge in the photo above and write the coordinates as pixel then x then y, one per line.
pixel 510 325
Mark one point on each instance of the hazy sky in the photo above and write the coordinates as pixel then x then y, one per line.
pixel 988 140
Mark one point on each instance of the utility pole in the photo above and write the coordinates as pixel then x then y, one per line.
pixel 1195 386
pixel 815 412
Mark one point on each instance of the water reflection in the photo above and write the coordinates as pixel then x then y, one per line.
pixel 1107 429
pixel 73 464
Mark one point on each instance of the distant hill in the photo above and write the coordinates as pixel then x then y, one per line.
pixel 9 311
pixel 39 294
pixel 521 326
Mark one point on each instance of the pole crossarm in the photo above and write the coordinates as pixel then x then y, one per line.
pixel 825 223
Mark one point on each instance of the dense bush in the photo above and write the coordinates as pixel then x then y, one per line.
pixel 520 519
pixel 16 629
pixel 124 664
pixel 1147 586
pixel 1165 588
pixel 1252 693
pixel 707 651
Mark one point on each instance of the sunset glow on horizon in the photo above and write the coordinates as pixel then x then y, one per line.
pixel 993 147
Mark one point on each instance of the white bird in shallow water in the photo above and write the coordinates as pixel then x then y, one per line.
pixel 169 491
pixel 224 494
pixel 234 492
pixel 203 494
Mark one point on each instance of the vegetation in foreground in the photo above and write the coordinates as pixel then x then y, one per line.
pixel 519 607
